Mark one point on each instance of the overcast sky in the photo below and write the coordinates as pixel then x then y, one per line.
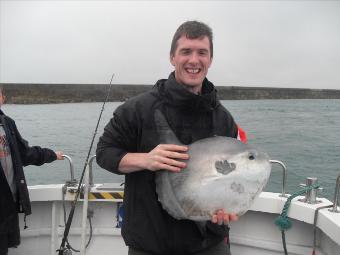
pixel 256 43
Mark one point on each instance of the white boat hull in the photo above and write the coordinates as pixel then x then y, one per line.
pixel 254 233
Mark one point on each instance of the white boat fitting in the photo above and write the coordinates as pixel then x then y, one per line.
pixel 254 233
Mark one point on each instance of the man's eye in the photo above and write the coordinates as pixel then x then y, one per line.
pixel 203 53
pixel 185 52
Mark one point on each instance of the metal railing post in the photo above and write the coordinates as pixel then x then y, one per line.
pixel 73 181
pixel 91 172
pixel 336 196
pixel 284 176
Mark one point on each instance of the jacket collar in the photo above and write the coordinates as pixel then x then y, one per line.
pixel 176 95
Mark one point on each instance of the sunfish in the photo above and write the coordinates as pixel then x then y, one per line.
pixel 221 173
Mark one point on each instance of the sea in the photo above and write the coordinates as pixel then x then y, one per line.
pixel 303 134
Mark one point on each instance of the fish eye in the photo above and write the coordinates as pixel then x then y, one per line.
pixel 251 156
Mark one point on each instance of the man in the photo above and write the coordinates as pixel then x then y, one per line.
pixel 14 154
pixel 129 146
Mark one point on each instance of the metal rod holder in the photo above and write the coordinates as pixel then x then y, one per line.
pixel 90 170
pixel 284 176
pixel 311 195
pixel 336 196
pixel 72 181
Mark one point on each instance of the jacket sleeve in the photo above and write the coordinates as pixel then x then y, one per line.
pixel 33 155
pixel 119 138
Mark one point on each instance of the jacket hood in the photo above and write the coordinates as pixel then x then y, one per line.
pixel 176 95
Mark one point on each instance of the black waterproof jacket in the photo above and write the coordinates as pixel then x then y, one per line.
pixel 22 155
pixel 146 225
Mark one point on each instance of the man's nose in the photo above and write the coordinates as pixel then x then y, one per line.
pixel 193 57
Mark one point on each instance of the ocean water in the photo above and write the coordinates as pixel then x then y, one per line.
pixel 303 134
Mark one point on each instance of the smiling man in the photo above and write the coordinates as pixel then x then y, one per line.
pixel 130 146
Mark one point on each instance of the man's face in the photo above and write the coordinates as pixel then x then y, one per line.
pixel 191 60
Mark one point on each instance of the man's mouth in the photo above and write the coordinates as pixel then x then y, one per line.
pixel 193 70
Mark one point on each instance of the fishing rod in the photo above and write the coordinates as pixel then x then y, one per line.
pixel 62 250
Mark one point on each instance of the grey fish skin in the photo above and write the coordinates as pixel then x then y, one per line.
pixel 221 173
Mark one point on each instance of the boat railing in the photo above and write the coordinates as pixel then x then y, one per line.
pixel 311 195
pixel 336 196
pixel 72 181
pixel 90 170
pixel 283 190
pixel 284 176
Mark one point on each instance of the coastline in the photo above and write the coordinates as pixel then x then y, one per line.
pixel 71 93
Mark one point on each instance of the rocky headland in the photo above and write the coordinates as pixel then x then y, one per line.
pixel 68 93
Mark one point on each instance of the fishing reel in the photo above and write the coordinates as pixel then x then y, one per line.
pixel 65 251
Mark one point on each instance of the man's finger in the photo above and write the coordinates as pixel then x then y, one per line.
pixel 173 147
pixel 233 217
pixel 226 218
pixel 176 155
pixel 169 168
pixel 172 162
pixel 220 217
pixel 214 218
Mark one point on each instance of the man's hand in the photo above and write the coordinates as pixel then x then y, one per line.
pixel 59 155
pixel 167 157
pixel 163 157
pixel 221 217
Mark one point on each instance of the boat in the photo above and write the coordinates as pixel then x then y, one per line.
pixel 98 216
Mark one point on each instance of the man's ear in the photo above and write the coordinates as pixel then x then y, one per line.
pixel 172 59
pixel 211 60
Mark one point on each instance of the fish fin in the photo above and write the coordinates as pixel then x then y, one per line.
pixel 166 135
pixel 167 196
pixel 224 167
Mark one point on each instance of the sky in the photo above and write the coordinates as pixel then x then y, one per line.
pixel 289 44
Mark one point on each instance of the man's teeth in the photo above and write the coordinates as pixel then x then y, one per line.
pixel 196 70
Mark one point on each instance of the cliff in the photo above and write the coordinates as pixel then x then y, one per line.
pixel 67 93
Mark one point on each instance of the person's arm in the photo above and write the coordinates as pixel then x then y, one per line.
pixel 163 156
pixel 117 149
pixel 115 143
pixel 33 155
pixel 36 155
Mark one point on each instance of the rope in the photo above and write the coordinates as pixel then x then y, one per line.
pixel 283 222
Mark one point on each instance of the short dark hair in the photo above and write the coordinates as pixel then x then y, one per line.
pixel 192 30
pixel 2 90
